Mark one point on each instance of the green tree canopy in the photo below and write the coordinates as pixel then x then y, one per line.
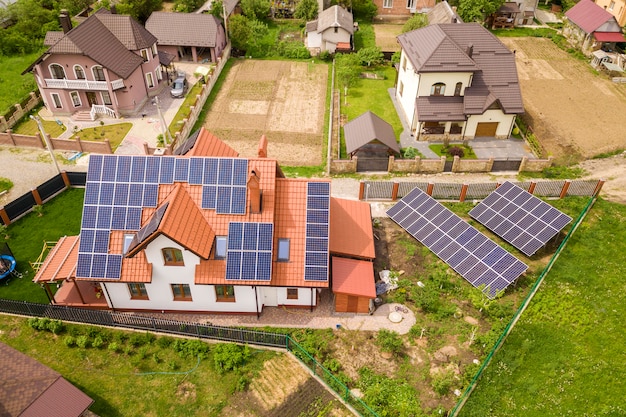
pixel 217 9
pixel 370 56
pixel 240 31
pixel 418 20
pixel 306 10
pixel 187 6
pixel 138 9
pixel 477 10
pixel 258 9
pixel 347 69
pixel 361 9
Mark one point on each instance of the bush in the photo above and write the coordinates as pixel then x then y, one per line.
pixel 164 342
pixel 410 153
pixel 69 341
pixel 229 356
pixel 82 341
pixel 113 347
pixel 389 341
pixel 98 342
pixel 56 326
pixel 191 348
pixel 442 382
pixel 456 151
pixel 325 56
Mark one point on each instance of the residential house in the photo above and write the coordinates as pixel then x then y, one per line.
pixel 188 36
pixel 394 10
pixel 31 389
pixel 107 64
pixel 207 231
pixel 589 28
pixel 442 12
pixel 457 81
pixel 372 140
pixel 514 13
pixel 332 31
pixel 616 7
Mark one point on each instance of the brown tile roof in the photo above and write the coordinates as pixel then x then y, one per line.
pixel 353 277
pixel 60 263
pixel 30 389
pixel 468 47
pixel 184 29
pixel 509 7
pixel 440 108
pixel 351 228
pixel 52 37
pixel 366 128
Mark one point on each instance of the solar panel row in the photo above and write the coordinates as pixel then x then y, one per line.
pixel 317 231
pixel 520 218
pixel 249 251
pixel 479 260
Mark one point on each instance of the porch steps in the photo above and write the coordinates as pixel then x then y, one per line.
pixel 82 116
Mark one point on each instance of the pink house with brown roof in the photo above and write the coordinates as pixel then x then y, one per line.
pixel 108 64
pixel 208 231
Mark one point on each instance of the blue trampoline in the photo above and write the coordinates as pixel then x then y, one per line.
pixel 7 266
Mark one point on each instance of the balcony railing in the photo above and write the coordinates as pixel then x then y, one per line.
pixel 83 84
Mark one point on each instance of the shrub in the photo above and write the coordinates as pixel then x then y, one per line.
pixel 69 341
pixel 191 348
pixel 442 382
pixel 82 341
pixel 97 342
pixel 410 153
pixel 56 326
pixel 456 151
pixel 164 342
pixel 229 356
pixel 242 383
pixel 389 341
pixel 113 347
pixel 136 340
pixel 325 56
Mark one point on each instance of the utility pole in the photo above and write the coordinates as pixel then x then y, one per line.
pixel 166 133
pixel 47 140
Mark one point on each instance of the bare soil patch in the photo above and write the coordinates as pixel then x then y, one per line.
pixel 283 100
pixel 386 36
pixel 575 113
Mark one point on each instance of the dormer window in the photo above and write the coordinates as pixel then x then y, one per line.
pixel 57 71
pixel 172 257
pixel 457 89
pixel 438 89
pixel 80 74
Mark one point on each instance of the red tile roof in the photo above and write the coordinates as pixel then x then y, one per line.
pixel 60 263
pixel 207 144
pixel 353 277
pixel 351 228
pixel 588 16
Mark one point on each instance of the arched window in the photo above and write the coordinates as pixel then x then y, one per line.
pixel 457 89
pixel 57 71
pixel 173 257
pixel 98 73
pixel 80 74
pixel 438 89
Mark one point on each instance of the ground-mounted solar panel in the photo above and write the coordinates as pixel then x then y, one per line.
pixel 520 218
pixel 249 251
pixel 317 231
pixel 478 259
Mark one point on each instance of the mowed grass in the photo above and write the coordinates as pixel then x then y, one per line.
pixel 115 133
pixel 15 87
pixel 61 217
pixel 143 376
pixel 30 127
pixel 566 354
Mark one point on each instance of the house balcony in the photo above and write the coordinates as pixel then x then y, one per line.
pixel 83 84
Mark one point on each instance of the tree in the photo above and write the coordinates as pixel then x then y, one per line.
pixel 138 9
pixel 477 10
pixel 418 20
pixel 361 9
pixel 240 31
pixel 217 9
pixel 347 69
pixel 370 56
pixel 187 6
pixel 306 10
pixel 258 9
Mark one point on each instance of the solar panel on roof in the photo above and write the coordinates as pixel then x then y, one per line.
pixel 520 218
pixel 118 218
pixel 317 231
pixel 470 253
pixel 106 193
pixel 138 169
pixel 123 169
pixel 249 251
pixel 109 167
pixel 224 194
pixel 94 172
pixel 103 220
pixel 240 172
pixel 135 195
pixel 181 171
pixel 210 171
pixel 92 192
pixel 196 170
pixel 166 175
pixel 90 213
pixel 121 194
pixel 150 195
pixel 153 167
pixel 238 200
pixel 225 172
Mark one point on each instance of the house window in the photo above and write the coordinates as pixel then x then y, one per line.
pixel 159 74
pixel 149 80
pixel 57 71
pixel 173 257
pixel 410 4
pixel 292 293
pixel 75 98
pixel 144 55
pixel 438 89
pixel 137 291
pixel 154 50
pixel 57 101
pixel 80 74
pixel 98 73
pixel 404 63
pixel 457 89
pixel 225 293
pixel 336 29
pixel 181 292
pixel 387 4
pixel 220 247
pixel 128 238
pixel 283 250
pixel 106 97
pixel 400 88
pixel 611 5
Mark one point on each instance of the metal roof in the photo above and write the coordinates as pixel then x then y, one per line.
pixel 335 16
pixel 366 128
pixel 588 16
pixel 184 29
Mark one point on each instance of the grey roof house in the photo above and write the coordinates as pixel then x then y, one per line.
pixel 443 13
pixel 372 140
pixel 457 81
pixel 332 31
pixel 188 36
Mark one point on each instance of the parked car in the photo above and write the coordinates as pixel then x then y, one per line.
pixel 179 86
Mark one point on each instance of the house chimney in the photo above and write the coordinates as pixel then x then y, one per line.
pixel 255 192
pixel 65 20
pixel 454 20
pixel 470 50
pixel 262 151
pixel 113 9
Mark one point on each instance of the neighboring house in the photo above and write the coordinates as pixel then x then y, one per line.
pixel 30 389
pixel 457 81
pixel 188 36
pixel 443 13
pixel 512 14
pixel 589 28
pixel 401 9
pixel 332 31
pixel 107 64
pixel 616 7
pixel 207 231
pixel 372 140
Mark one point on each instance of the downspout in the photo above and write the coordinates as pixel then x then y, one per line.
pixel 256 300
pixel 106 295
pixel 312 292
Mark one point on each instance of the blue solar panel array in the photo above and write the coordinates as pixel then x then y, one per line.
pixel 520 218
pixel 119 187
pixel 473 255
pixel 249 251
pixel 317 231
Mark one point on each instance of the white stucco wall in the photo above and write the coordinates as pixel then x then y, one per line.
pixel 505 123
pixel 410 82
pixel 448 78
pixel 277 296
pixel 314 40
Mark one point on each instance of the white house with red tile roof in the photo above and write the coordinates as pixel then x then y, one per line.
pixel 210 233
pixel 590 27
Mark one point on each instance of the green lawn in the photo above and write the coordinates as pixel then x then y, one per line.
pixel 15 87
pixel 566 354
pixel 30 127
pixel 61 216
pixel 115 133
pixel 143 376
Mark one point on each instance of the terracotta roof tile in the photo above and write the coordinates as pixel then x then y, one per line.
pixel 351 228
pixel 353 277
pixel 60 263
pixel 206 143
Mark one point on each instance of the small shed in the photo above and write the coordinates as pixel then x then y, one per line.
pixel 353 285
pixel 372 140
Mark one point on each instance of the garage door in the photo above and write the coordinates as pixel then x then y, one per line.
pixel 486 129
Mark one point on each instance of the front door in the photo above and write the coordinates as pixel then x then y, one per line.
pixel 91 98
